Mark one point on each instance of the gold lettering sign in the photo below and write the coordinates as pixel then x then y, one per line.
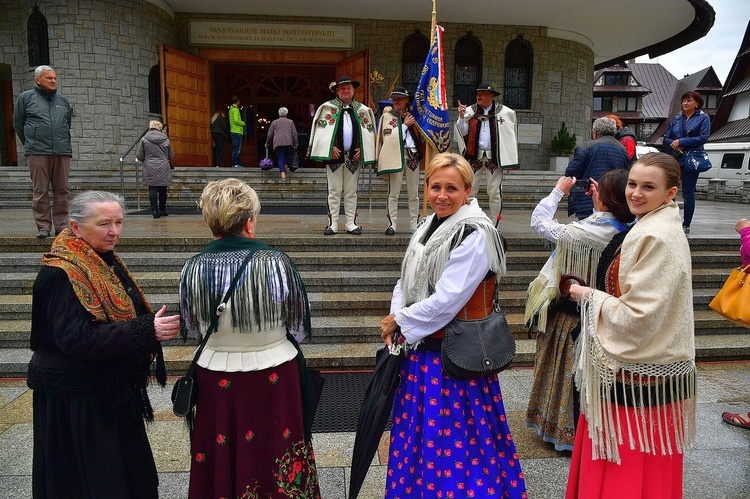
pixel 264 34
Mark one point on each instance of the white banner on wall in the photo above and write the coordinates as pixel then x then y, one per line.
pixel 264 34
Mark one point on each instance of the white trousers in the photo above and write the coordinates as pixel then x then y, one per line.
pixel 342 180
pixel 412 192
pixel 494 182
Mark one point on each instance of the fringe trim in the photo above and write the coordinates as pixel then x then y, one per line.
pixel 595 374
pixel 424 264
pixel 578 256
pixel 272 292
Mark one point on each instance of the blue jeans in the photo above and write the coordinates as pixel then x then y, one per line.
pixel 236 148
pixel 688 180
pixel 283 157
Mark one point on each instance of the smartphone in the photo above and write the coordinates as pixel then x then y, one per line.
pixel 581 186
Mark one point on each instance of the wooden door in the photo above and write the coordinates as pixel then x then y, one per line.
pixel 357 67
pixel 185 105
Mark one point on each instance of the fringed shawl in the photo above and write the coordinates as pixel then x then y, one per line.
pixel 95 284
pixel 579 247
pixel 645 334
pixel 273 293
pixel 424 263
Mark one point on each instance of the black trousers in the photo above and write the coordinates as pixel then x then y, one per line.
pixel 161 191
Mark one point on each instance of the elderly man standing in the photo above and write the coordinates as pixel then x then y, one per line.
pixel 487 136
pixel 42 120
pixel 343 137
pixel 592 160
pixel 398 156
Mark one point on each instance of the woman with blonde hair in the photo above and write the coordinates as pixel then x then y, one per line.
pixel 251 433
pixel 448 435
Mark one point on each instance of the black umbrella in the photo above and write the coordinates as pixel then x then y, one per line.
pixel 374 413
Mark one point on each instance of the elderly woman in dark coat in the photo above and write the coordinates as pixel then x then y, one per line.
pixel 93 335
pixel 156 153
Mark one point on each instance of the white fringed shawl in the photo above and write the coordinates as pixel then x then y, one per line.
pixel 424 263
pixel 648 332
pixel 579 248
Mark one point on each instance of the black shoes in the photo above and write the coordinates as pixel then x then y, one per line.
pixel 163 213
pixel 356 232
pixel 42 234
pixel 328 232
pixel 390 232
pixel 155 213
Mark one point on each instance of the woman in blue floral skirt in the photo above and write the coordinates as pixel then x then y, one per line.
pixel 449 437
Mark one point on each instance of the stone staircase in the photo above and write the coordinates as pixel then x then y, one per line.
pixel 349 279
pixel 307 186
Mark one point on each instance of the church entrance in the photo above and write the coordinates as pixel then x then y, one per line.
pixel 263 89
pixel 195 86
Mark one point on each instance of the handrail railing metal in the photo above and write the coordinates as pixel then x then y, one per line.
pixel 137 173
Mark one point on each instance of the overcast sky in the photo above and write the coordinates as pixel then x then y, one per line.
pixel 718 48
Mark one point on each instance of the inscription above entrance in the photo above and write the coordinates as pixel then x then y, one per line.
pixel 252 33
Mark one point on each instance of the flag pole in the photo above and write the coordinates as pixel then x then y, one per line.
pixel 428 146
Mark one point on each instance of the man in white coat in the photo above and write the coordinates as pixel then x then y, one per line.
pixel 487 136
pixel 398 157
pixel 343 137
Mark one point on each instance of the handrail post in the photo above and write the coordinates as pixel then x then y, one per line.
pixel 137 185
pixel 122 179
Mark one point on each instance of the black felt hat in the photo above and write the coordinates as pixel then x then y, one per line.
pixel 342 80
pixel 400 92
pixel 488 87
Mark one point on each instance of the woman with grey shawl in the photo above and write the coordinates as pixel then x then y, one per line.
pixel 251 432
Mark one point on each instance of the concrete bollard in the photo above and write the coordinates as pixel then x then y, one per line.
pixel 716 187
pixel 746 191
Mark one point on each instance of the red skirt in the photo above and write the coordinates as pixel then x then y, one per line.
pixel 249 439
pixel 639 475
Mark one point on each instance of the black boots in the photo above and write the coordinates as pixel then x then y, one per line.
pixel 155 213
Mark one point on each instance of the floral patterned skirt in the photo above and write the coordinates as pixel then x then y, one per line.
pixel 551 409
pixel 450 438
pixel 248 440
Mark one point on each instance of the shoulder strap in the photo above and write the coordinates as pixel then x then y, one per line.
pixel 219 310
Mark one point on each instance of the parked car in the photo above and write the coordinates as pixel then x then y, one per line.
pixel 729 161
pixel 641 149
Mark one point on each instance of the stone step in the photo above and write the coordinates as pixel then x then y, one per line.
pixel 360 356
pixel 333 329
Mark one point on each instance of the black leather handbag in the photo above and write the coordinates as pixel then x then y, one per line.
pixel 477 348
pixel 185 391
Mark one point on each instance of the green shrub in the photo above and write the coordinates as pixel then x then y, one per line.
pixel 563 143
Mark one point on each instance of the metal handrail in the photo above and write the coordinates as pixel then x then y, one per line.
pixel 137 173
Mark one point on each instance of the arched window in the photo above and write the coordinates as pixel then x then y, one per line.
pixel 415 51
pixel 36 31
pixel 468 74
pixel 154 90
pixel 519 65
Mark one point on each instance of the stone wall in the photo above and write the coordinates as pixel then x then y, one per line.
pixel 384 40
pixel 102 51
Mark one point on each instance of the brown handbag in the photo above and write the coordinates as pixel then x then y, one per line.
pixel 733 301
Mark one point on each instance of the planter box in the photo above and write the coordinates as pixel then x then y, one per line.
pixel 558 163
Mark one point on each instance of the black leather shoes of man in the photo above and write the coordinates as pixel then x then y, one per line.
pixel 390 232
pixel 328 232
pixel 356 232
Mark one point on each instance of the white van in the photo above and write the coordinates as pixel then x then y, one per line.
pixel 729 161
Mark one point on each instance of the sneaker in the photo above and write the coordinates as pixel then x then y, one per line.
pixel 238 166
pixel 42 234
pixel 390 232
pixel 687 230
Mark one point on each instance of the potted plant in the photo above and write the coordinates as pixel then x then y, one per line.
pixel 562 146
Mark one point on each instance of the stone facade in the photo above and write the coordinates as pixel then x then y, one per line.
pixel 103 51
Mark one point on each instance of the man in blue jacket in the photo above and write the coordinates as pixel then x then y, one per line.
pixel 42 119
pixel 593 160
